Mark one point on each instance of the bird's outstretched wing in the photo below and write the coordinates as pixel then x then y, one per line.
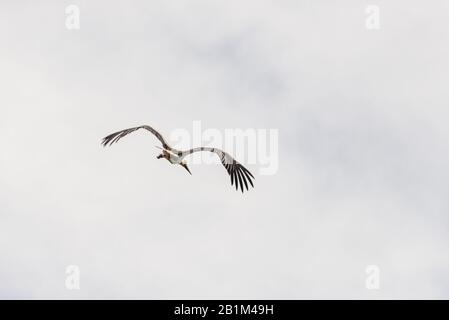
pixel 238 173
pixel 116 136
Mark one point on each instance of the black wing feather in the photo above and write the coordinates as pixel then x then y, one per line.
pixel 238 173
pixel 116 136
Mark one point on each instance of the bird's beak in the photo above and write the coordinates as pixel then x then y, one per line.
pixel 187 168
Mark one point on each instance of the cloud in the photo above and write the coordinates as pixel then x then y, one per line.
pixel 362 175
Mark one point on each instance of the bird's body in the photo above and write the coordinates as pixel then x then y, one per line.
pixel 174 159
pixel 170 156
pixel 238 173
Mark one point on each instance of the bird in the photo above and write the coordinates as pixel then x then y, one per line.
pixel 239 175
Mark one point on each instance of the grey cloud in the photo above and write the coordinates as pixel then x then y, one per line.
pixel 362 176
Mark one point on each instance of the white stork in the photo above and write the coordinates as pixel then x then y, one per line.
pixel 238 173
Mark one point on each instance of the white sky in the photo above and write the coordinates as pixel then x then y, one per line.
pixel 363 149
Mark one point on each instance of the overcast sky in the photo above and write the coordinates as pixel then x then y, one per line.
pixel 363 154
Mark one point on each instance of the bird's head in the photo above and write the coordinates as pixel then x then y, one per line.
pixel 184 164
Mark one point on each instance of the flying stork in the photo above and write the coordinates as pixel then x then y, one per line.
pixel 238 173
